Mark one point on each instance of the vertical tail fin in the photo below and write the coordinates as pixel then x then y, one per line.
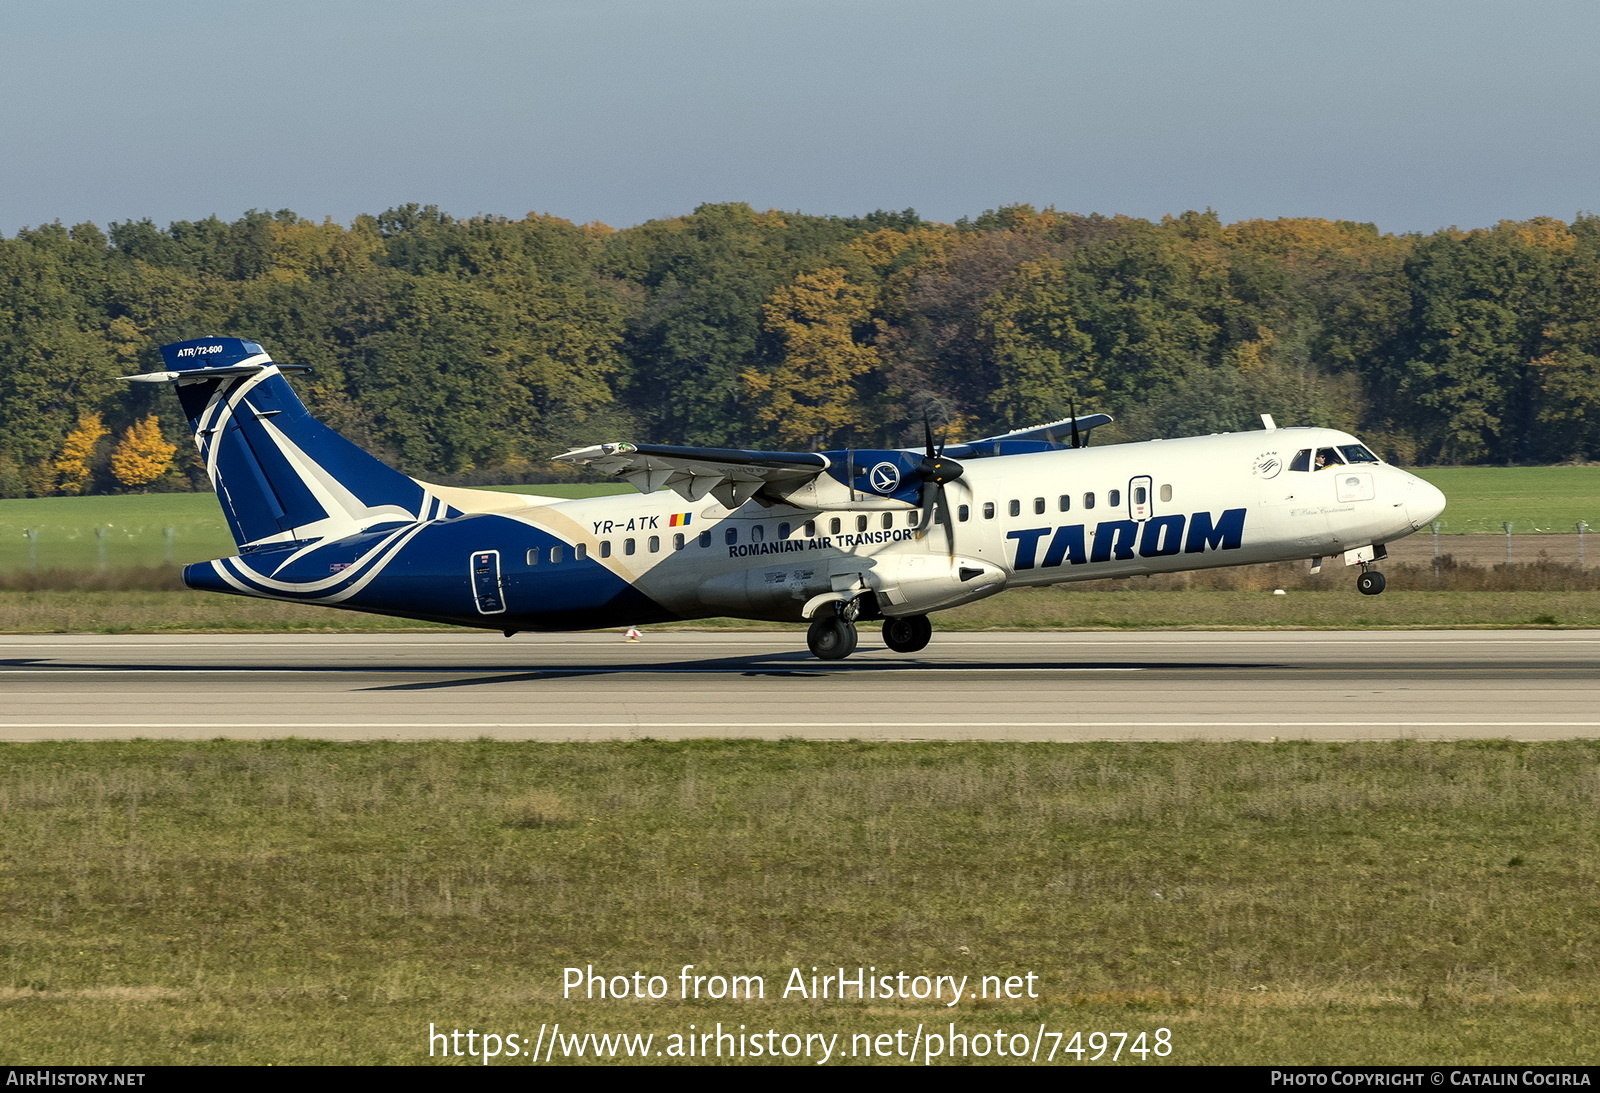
pixel 280 474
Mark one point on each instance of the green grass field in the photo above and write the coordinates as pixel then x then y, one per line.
pixel 300 902
pixel 1533 499
pixel 135 528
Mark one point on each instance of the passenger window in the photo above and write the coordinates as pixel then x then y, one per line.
pixel 1166 492
pixel 731 536
pixel 783 531
pixel 605 549
pixel 705 538
pixel 1066 502
pixel 1114 498
pixel 533 557
pixel 628 546
pixel 757 533
pixel 913 518
pixel 811 529
pixel 677 542
pixel 963 513
pixel 655 544
pixel 1014 508
pixel 834 526
pixel 1088 500
pixel 861 523
pixel 1140 495
pixel 988 510
pixel 888 520
pixel 1038 505
pixel 557 553
pixel 1301 460
pixel 580 552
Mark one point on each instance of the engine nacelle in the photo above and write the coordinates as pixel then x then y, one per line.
pixel 903 585
pixel 919 583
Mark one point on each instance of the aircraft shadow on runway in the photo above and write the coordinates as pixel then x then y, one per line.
pixel 800 665
pixel 791 665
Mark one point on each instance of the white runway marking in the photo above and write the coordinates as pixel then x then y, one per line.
pixel 202 723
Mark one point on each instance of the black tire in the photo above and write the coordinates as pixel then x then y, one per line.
pixel 907 634
pixel 831 638
pixel 1370 583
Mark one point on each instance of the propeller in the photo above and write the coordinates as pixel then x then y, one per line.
pixel 1072 409
pixel 937 471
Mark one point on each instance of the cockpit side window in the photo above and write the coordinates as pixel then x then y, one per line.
pixel 1357 453
pixel 1301 460
pixel 1328 457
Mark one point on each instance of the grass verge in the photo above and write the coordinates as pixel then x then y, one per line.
pixel 306 902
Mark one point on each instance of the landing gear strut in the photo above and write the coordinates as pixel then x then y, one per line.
pixel 832 637
pixel 908 633
pixel 1371 582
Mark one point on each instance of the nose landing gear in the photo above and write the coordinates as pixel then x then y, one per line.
pixel 1371 582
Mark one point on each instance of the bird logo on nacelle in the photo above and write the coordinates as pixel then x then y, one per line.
pixel 885 478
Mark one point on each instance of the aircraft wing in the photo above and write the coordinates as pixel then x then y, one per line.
pixel 1056 432
pixel 731 475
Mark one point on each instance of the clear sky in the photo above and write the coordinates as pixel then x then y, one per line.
pixel 1413 115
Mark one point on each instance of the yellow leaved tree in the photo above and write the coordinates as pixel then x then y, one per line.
pixel 143 454
pixel 76 452
pixel 811 396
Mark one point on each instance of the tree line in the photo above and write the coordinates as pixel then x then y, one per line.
pixel 473 349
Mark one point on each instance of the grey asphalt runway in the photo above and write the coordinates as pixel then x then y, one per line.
pixel 1526 685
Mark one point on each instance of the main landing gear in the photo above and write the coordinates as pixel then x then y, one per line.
pixel 834 636
pixel 907 634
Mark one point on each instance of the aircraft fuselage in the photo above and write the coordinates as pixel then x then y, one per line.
pixel 1018 520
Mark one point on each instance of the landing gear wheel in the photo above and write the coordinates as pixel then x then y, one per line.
pixel 907 634
pixel 1370 583
pixel 831 638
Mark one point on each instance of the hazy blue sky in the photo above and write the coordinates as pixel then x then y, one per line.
pixel 1414 115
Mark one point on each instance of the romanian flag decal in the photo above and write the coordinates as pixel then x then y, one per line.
pixel 679 520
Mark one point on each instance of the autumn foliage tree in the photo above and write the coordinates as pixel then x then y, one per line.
pixel 472 347
pixel 812 396
pixel 143 454
pixel 73 464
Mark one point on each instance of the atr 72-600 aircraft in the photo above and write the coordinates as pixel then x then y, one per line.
pixel 835 537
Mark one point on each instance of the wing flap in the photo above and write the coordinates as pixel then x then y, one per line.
pixel 731 475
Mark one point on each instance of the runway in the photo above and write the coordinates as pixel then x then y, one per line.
pixel 1526 685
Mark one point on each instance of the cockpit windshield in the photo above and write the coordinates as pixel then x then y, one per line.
pixel 1331 457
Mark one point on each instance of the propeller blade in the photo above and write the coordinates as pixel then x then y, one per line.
pixel 949 523
pixel 1072 408
pixel 935 470
pixel 929 500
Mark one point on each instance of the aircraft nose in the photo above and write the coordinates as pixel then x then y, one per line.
pixel 1424 502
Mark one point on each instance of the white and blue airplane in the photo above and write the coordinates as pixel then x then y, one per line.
pixel 834 538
